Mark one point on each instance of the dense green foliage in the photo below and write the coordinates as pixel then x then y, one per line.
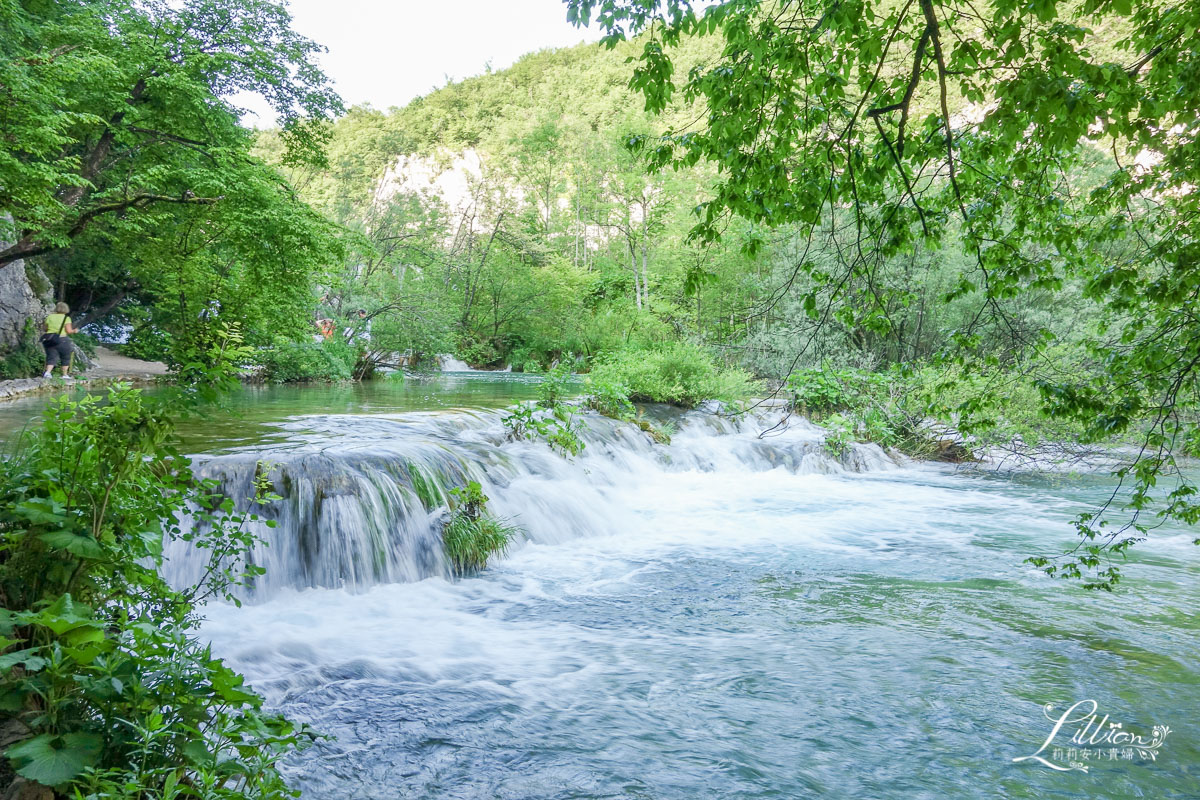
pixel 679 373
pixel 861 406
pixel 1053 147
pixel 502 219
pixel 129 180
pixel 27 358
pixel 107 689
pixel 289 362
pixel 472 536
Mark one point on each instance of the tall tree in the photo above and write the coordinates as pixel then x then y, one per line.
pixel 116 108
pixel 936 120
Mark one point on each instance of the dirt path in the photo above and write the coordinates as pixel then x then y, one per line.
pixel 107 365
pixel 110 364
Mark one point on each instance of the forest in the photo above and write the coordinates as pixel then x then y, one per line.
pixel 941 227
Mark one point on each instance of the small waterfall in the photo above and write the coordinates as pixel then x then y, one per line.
pixel 364 497
pixel 449 363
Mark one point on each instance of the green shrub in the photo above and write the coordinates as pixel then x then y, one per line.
pixel 472 536
pixel 476 351
pixel 558 427
pixel 85 342
pixel 680 373
pixel 888 409
pixel 28 359
pixel 825 390
pixel 609 397
pixel 291 362
pixel 557 384
pixel 110 691
pixel 840 434
pixel 147 340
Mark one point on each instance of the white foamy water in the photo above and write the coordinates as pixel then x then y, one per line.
pixel 449 363
pixel 729 616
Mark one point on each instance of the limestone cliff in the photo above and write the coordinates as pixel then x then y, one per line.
pixel 19 303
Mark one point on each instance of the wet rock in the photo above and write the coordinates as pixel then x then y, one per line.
pixel 21 789
pixel 951 451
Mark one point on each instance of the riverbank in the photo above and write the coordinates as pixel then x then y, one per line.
pixel 108 366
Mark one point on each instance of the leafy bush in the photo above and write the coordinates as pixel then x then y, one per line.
pixel 477 351
pixel 146 340
pixel 839 434
pixel 290 362
pixel 85 342
pixel 612 400
pixel 889 409
pixel 472 536
pixel 609 397
pixel 558 427
pixel 557 384
pixel 27 359
pixel 825 390
pixel 680 373
pixel 110 692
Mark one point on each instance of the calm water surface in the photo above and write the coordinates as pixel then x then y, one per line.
pixel 252 414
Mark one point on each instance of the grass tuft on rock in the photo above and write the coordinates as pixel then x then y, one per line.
pixel 472 536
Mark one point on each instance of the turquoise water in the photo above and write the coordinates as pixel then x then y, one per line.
pixel 250 415
pixel 729 617
pixel 745 636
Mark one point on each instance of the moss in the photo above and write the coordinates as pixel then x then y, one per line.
pixel 427 490
pixel 659 435
pixel 38 282
pixel 28 359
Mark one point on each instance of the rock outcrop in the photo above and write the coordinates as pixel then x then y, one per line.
pixel 19 303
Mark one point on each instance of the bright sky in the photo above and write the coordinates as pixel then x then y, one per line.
pixel 386 52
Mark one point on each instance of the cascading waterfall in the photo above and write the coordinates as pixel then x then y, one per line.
pixel 737 614
pixel 364 498
pixel 449 363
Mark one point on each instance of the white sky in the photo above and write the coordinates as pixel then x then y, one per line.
pixel 387 53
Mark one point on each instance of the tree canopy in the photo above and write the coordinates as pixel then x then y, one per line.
pixel 130 177
pixel 116 109
pixel 1054 143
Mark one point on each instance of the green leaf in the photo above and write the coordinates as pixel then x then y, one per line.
pixel 26 658
pixel 11 701
pixel 197 753
pixel 82 546
pixel 40 511
pixel 54 760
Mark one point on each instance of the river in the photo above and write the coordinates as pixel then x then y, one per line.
pixel 730 616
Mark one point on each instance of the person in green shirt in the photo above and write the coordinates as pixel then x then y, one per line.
pixel 56 341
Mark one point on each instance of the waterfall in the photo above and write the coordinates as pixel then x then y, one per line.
pixel 364 498
pixel 449 363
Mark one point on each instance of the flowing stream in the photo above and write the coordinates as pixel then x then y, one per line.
pixel 736 615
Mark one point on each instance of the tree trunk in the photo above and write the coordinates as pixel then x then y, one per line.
pixel 637 287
